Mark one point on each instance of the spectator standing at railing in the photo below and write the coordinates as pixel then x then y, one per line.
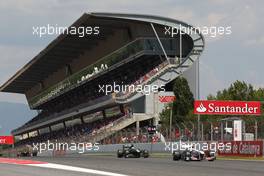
pixel 130 112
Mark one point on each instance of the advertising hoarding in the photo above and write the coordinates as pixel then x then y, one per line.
pixel 227 107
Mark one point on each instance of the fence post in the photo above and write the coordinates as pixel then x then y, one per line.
pixel 202 130
pixel 256 129
pixel 263 148
pixel 212 130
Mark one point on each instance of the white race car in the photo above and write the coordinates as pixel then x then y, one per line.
pixel 193 155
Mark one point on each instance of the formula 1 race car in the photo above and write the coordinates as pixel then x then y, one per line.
pixel 26 151
pixel 193 155
pixel 129 151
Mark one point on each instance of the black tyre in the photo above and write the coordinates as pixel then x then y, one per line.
pixel 34 154
pixel 176 156
pixel 145 154
pixel 119 154
pixel 212 159
pixel 187 156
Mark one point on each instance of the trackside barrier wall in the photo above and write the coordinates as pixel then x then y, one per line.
pixel 157 147
pixel 152 147
pixel 112 148
pixel 244 148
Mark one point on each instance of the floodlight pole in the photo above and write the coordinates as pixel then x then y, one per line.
pixel 192 129
pixel 222 131
pixel 170 123
pixel 256 129
pixel 198 97
pixel 202 131
pixel 180 46
pixel 211 125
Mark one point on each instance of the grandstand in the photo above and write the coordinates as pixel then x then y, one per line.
pixel 61 82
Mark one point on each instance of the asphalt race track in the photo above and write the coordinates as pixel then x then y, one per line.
pixel 137 167
pixel 20 170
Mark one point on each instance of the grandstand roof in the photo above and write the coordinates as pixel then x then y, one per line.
pixel 65 48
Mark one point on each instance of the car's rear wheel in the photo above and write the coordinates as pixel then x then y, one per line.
pixel 35 154
pixel 119 154
pixel 214 158
pixel 145 154
pixel 138 155
pixel 176 156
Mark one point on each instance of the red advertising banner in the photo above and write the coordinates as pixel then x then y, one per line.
pixel 167 99
pixel 243 148
pixel 227 107
pixel 6 140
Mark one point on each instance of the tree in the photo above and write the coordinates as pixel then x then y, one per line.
pixel 184 99
pixel 165 117
pixel 239 90
pixel 181 106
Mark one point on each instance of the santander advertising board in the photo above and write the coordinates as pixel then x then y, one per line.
pixel 227 107
pixel 6 140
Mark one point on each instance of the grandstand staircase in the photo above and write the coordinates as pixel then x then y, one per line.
pixel 118 125
pixel 162 77
pixel 174 67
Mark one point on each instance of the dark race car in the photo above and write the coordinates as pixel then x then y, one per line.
pixel 27 151
pixel 129 151
pixel 193 155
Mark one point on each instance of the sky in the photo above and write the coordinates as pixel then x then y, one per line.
pixel 226 58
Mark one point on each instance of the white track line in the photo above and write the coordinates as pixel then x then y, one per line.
pixel 75 169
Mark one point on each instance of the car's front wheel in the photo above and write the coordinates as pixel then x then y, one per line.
pixel 176 156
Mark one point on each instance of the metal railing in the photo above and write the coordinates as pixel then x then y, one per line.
pixel 151 77
pixel 65 112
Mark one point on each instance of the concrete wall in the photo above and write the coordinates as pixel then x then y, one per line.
pixel 112 148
